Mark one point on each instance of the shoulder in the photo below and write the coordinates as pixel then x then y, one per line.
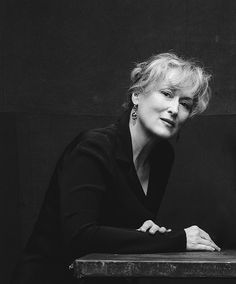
pixel 98 144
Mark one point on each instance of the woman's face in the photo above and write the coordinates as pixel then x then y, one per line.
pixel 162 112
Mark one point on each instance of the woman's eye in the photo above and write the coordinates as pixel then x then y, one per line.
pixel 186 105
pixel 167 94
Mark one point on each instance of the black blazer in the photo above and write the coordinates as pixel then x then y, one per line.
pixel 95 203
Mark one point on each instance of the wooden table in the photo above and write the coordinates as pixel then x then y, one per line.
pixel 180 265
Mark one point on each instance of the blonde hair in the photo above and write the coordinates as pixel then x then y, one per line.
pixel 190 76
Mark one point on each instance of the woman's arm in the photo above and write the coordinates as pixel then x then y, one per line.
pixel 197 239
pixel 82 186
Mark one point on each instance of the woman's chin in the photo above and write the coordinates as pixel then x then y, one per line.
pixel 165 134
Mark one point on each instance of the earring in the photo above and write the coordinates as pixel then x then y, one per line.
pixel 134 112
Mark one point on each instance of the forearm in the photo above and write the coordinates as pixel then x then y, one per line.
pixel 104 239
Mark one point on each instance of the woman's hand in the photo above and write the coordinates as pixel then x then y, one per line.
pixel 197 239
pixel 152 228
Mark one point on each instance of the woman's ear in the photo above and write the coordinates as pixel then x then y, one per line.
pixel 135 98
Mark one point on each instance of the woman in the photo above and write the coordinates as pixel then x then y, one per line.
pixel 107 187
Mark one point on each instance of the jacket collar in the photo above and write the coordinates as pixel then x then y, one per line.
pixel 124 151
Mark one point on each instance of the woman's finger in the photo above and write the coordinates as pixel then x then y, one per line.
pixel 206 236
pixel 146 226
pixel 155 228
pixel 209 243
pixel 162 230
pixel 204 247
pixel 152 228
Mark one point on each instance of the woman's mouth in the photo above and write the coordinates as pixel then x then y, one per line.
pixel 169 122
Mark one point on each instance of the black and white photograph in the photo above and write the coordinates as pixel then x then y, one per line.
pixel 118 141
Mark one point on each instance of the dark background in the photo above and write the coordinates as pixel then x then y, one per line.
pixel 65 66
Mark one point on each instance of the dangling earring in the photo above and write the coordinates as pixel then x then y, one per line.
pixel 134 112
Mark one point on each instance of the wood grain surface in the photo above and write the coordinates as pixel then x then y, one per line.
pixel 185 264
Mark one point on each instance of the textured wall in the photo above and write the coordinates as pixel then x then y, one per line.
pixel 75 56
pixel 10 240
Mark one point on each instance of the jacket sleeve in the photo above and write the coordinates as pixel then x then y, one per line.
pixel 82 187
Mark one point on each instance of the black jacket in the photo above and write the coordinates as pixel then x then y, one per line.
pixel 95 203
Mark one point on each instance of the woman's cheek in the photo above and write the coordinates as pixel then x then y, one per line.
pixel 183 116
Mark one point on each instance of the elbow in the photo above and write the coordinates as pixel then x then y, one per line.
pixel 80 240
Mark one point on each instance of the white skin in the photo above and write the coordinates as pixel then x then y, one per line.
pixel 160 115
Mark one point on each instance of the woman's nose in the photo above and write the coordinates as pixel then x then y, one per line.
pixel 174 107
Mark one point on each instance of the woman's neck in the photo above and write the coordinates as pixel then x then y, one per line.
pixel 142 144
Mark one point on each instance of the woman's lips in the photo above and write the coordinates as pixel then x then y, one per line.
pixel 169 122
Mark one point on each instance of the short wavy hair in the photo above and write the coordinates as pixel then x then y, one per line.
pixel 190 76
